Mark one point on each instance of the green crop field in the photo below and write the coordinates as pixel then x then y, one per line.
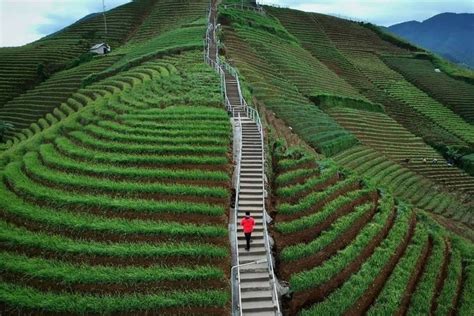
pixel 345 247
pixel 118 172
pixel 121 206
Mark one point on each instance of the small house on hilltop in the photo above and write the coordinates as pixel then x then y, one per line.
pixel 101 49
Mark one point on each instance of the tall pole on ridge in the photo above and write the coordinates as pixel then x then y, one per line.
pixel 105 20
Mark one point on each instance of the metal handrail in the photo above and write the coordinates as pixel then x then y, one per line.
pixel 258 9
pixel 236 209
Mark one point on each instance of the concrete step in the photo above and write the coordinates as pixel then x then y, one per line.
pixel 254 250
pixel 249 296
pixel 259 267
pixel 256 242
pixel 257 216
pixel 251 185
pixel 251 209
pixel 257 285
pixel 254 276
pixel 250 197
pixel 253 204
pixel 251 171
pixel 252 175
pixel 250 179
pixel 252 161
pixel 254 236
pixel 256 308
pixel 251 191
pixel 260 313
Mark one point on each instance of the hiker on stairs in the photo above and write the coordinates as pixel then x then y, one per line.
pixel 248 224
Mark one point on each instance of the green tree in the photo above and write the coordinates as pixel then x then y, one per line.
pixel 4 127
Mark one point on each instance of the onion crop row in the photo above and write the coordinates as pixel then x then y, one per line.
pixel 313 198
pixel 347 295
pixel 319 275
pixel 306 222
pixel 29 298
pixel 293 190
pixel 81 222
pixel 64 145
pixel 67 273
pixel 34 168
pixel 16 236
pixel 420 303
pixel 51 157
pixel 298 251
pixel 390 298
pixel 113 146
pixel 450 287
pixel 23 185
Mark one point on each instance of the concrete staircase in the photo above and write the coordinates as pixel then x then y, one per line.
pixel 255 279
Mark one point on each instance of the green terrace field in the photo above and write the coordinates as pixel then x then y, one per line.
pixel 282 96
pixel 322 37
pixel 345 247
pixel 400 89
pixel 67 90
pixel 19 65
pixel 456 94
pixel 406 184
pixel 166 15
pixel 385 135
pixel 44 98
pixel 122 206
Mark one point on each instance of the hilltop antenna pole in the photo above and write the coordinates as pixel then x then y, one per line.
pixel 105 20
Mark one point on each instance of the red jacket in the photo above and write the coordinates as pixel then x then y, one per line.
pixel 248 224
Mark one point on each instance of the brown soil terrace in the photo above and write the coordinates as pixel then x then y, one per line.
pixel 139 261
pixel 153 287
pixel 441 276
pixel 147 196
pixel 221 167
pixel 415 277
pixel 111 213
pixel 149 179
pixel 307 235
pixel 317 206
pixel 301 300
pixel 106 236
pixel 177 311
pixel 289 268
pixel 364 302
pixel 318 187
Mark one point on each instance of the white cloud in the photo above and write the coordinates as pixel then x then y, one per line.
pixel 382 12
pixel 23 21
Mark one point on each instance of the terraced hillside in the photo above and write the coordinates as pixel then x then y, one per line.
pixel 121 207
pixel 320 35
pixel 394 156
pixel 456 94
pixel 20 66
pixel 66 88
pixel 347 248
pixel 280 95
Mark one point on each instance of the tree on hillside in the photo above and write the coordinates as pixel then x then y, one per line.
pixel 4 127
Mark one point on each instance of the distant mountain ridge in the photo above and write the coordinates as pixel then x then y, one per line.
pixel 448 34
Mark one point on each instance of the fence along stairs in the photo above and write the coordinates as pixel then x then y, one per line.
pixel 257 293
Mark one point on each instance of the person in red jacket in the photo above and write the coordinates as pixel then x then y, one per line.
pixel 248 223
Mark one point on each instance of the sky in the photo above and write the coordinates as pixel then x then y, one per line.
pixel 24 21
